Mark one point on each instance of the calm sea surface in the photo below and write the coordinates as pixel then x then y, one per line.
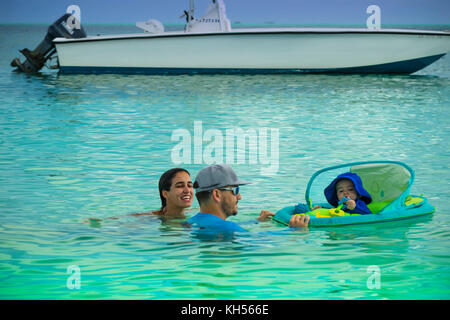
pixel 79 146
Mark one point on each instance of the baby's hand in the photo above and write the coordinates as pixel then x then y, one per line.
pixel 299 220
pixel 265 214
pixel 351 204
pixel 316 207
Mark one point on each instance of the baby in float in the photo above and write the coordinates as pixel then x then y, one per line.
pixel 345 192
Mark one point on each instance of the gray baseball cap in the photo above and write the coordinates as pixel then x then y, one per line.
pixel 216 176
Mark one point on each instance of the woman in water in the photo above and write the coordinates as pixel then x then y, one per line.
pixel 176 193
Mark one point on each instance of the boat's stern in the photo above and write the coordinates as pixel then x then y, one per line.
pixel 66 26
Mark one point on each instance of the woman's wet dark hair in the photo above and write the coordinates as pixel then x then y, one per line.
pixel 165 182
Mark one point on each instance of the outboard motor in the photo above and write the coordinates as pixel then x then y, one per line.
pixel 37 58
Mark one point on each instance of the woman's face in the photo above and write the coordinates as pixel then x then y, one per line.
pixel 181 193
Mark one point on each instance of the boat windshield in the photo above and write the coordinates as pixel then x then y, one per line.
pixel 214 20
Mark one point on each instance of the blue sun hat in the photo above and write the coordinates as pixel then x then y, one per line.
pixel 330 191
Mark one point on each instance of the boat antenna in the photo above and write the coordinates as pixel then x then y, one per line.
pixel 191 10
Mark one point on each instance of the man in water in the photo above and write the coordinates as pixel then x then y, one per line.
pixel 217 192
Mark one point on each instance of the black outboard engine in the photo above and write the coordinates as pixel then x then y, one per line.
pixel 37 58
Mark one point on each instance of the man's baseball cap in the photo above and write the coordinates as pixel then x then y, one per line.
pixel 216 176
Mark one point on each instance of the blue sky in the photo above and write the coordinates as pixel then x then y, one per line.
pixel 245 11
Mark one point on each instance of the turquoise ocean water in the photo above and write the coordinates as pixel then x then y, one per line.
pixel 79 146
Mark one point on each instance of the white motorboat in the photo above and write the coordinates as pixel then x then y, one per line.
pixel 210 45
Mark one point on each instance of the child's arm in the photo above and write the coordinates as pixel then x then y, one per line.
pixel 360 208
pixel 351 204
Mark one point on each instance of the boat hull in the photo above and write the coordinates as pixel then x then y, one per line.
pixel 254 52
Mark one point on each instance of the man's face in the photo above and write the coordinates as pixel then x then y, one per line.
pixel 229 202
